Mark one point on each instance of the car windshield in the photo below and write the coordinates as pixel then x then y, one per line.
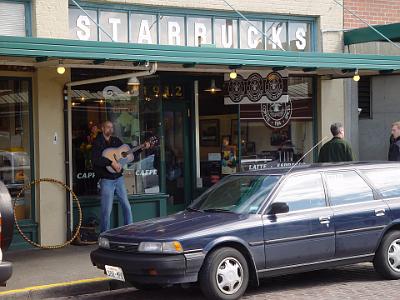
pixel 236 194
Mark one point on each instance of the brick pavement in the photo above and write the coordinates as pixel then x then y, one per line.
pixel 351 282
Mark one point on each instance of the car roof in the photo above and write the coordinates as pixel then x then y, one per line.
pixel 303 168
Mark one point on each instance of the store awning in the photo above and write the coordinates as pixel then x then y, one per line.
pixel 42 49
pixel 366 34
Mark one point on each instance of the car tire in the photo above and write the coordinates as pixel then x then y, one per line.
pixel 387 258
pixel 212 280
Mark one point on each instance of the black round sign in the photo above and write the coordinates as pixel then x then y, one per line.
pixel 254 87
pixel 236 89
pixel 274 86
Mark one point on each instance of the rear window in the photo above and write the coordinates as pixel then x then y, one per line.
pixel 347 187
pixel 386 181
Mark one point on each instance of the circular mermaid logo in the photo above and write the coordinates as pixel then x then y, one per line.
pixel 273 86
pixel 277 115
pixel 254 87
pixel 236 89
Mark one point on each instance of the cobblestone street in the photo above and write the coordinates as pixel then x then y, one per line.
pixel 352 282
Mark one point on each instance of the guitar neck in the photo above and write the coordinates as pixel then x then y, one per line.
pixel 135 149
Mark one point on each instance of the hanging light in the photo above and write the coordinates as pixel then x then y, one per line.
pixel 356 77
pixel 60 68
pixel 134 84
pixel 213 88
pixel 233 74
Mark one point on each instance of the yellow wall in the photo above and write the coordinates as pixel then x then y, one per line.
pixel 49 121
pixel 331 105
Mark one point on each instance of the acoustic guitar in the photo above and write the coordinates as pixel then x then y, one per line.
pixel 124 154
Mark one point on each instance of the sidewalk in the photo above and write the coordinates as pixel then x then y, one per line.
pixel 37 271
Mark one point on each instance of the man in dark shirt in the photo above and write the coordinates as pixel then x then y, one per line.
pixel 337 149
pixel 394 149
pixel 110 183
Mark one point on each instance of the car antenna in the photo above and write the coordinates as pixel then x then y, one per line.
pixel 301 158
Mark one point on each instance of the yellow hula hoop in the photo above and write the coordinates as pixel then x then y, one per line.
pixel 74 197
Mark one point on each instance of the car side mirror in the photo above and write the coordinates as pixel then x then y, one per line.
pixel 278 208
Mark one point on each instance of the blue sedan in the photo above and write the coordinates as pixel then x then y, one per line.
pixel 262 224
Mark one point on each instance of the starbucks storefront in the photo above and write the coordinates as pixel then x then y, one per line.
pixel 218 96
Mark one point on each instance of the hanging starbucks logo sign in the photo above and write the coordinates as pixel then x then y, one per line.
pixel 250 88
pixel 254 87
pixel 274 86
pixel 277 114
pixel 236 89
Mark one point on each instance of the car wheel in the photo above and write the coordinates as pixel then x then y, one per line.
pixel 224 275
pixel 387 258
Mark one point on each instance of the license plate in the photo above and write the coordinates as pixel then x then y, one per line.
pixel 115 273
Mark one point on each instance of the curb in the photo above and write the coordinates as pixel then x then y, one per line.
pixel 64 289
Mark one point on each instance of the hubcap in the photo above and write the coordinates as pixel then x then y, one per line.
pixel 229 276
pixel 394 255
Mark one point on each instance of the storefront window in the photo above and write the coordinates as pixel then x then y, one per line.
pixel 265 145
pixel 172 30
pixel 251 36
pixel 299 36
pixel 81 26
pixel 199 31
pixel 226 33
pixel 115 24
pixel 136 119
pixel 15 146
pixel 277 35
pixel 217 133
pixel 143 29
pixel 12 18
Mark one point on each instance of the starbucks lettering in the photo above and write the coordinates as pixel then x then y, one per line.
pixel 188 30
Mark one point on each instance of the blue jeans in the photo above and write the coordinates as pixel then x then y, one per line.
pixel 108 187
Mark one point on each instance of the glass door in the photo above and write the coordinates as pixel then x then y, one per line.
pixel 177 154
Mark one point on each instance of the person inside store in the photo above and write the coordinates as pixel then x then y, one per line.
pixel 110 183
pixel 337 149
pixel 229 161
pixel 394 149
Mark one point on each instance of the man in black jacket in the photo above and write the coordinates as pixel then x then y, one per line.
pixel 110 183
pixel 394 149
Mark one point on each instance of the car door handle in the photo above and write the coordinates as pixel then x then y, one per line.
pixel 380 212
pixel 324 220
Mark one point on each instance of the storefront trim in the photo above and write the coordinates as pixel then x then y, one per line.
pixel 149 206
pixel 366 34
pixel 88 50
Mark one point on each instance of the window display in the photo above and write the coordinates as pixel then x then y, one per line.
pixel 284 141
pixel 15 145
pixel 136 119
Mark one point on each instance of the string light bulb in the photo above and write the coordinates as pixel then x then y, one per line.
pixel 233 74
pixel 356 77
pixel 60 68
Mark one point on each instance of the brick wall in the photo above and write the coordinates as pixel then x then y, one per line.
pixel 375 12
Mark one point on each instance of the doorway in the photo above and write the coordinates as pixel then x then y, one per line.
pixel 177 154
